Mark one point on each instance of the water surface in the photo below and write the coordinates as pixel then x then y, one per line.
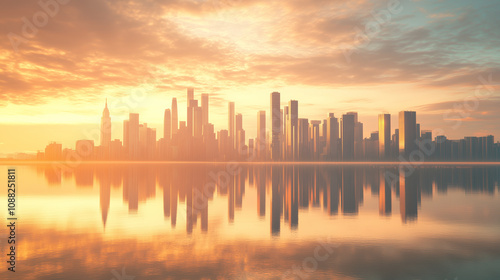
pixel 237 221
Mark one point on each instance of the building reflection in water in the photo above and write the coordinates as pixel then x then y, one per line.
pixel 335 189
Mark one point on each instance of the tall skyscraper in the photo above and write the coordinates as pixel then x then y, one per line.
pixel 275 117
pixel 204 108
pixel 358 136
pixel 332 136
pixel 303 139
pixel 315 143
pixel 175 117
pixel 239 122
pixel 384 135
pixel 105 127
pixel 197 121
pixel 231 125
pixel 238 127
pixel 193 104
pixel 261 135
pixel 347 134
pixel 167 123
pixel 292 130
pixel 407 132
pixel 125 133
pixel 133 136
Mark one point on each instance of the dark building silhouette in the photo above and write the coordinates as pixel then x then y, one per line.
pixel 275 120
pixel 407 133
pixel 384 135
pixel 347 136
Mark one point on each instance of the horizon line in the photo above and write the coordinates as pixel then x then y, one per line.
pixel 427 163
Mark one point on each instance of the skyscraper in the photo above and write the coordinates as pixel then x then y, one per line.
pixel 239 122
pixel 315 143
pixel 384 135
pixel 204 108
pixel 407 132
pixel 358 136
pixel 125 133
pixel 189 118
pixel 192 105
pixel 239 127
pixel 332 136
pixel 133 136
pixel 167 123
pixel 347 134
pixel 175 117
pixel 303 139
pixel 105 127
pixel 197 121
pixel 292 130
pixel 275 117
pixel 231 125
pixel 261 135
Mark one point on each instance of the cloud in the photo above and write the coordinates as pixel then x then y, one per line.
pixel 90 47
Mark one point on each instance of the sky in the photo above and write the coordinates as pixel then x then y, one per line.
pixel 61 59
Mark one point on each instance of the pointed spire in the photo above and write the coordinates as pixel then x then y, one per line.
pixel 106 102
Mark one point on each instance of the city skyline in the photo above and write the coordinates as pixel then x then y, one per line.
pixel 54 77
pixel 288 137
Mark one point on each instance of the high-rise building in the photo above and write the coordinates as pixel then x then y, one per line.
pixel 292 124
pixel 105 127
pixel 284 134
pixel 231 125
pixel 175 117
pixel 193 104
pixel 417 131
pixel 315 143
pixel 332 137
pixel 239 127
pixel 53 151
pixel 275 117
pixel 384 135
pixel 261 135
pixel 358 136
pixel 197 121
pixel 125 134
pixel 204 108
pixel 407 133
pixel 395 143
pixel 347 134
pixel 133 136
pixel 303 139
pixel 223 142
pixel 239 122
pixel 167 123
pixel 240 143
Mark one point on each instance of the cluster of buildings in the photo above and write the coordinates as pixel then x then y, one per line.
pixel 281 136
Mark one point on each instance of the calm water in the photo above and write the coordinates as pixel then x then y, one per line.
pixel 189 221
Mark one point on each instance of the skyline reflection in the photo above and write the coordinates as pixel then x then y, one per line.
pixel 287 191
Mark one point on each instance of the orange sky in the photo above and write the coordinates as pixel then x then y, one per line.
pixel 440 59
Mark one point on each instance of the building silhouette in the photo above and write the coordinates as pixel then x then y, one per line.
pixel 347 135
pixel 407 133
pixel 275 121
pixel 384 135
pixel 105 127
